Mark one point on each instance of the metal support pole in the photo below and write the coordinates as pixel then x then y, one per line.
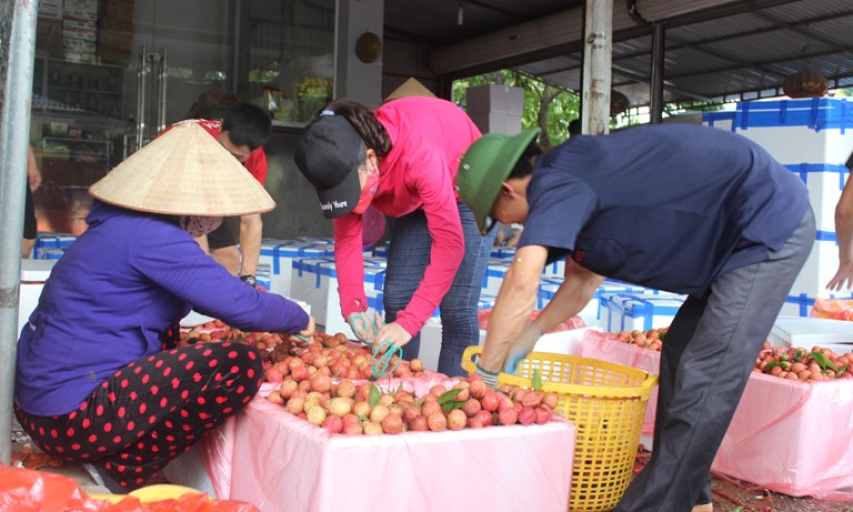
pixel 14 138
pixel 658 53
pixel 598 57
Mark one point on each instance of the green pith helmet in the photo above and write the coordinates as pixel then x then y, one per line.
pixel 485 166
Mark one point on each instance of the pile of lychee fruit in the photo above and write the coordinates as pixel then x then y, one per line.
pixel 333 357
pixel 651 339
pixel 364 409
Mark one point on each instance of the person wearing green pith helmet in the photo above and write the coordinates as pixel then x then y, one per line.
pixel 686 209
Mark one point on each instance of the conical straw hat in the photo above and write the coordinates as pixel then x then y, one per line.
pixel 185 171
pixel 410 87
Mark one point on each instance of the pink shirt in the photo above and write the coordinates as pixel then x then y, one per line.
pixel 429 136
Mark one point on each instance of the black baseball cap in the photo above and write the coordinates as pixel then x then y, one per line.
pixel 327 155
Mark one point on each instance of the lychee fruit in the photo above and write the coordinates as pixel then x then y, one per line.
pixel 304 386
pixel 416 365
pixel 508 417
pixel 526 416
pixel 430 408
pixel 361 408
pixel 474 423
pixel 543 414
pixel 471 407
pixel 437 422
pixel 491 401
pixel 456 419
pixel 321 383
pixel 276 398
pixel 411 413
pixel 532 399
pixel 346 389
pixel 333 424
pixel 316 415
pixel 419 424
pixel 378 413
pixel 352 429
pixel 478 389
pixel 551 400
pixel 300 373
pixel 339 406
pixel 437 390
pixel 273 374
pixel 295 405
pixel 485 418
pixel 392 424
pixel 287 388
pixel 371 428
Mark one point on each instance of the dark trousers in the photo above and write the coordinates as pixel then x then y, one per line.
pixel 707 358
pixel 152 410
pixel 408 256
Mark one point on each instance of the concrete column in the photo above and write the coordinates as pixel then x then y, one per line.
pixel 657 73
pixel 598 57
pixel 356 80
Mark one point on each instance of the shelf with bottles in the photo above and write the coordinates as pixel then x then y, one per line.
pixel 70 87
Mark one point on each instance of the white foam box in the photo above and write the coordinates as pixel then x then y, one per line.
pixel 316 240
pixel 502 253
pixel 811 137
pixel 381 251
pixel 316 282
pixel 194 318
pixel 431 334
pixel 47 240
pixel 33 275
pixel 263 275
pixel 794 331
pixel 801 304
pixel 629 311
pixel 494 98
pixel 279 255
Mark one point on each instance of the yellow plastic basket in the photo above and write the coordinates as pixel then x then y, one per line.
pixel 606 402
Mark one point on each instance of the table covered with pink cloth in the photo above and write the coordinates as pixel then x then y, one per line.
pixel 795 438
pixel 280 463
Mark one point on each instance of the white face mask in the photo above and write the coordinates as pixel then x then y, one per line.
pixel 198 226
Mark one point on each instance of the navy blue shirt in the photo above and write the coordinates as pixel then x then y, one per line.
pixel 666 206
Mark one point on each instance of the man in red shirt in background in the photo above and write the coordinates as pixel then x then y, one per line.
pixel 242 131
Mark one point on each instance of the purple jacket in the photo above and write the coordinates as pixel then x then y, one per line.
pixel 114 292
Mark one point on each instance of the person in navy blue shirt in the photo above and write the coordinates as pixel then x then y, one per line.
pixel 98 380
pixel 681 208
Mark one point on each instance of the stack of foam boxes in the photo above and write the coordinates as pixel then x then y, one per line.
pixel 813 139
pixel 315 281
pixel 593 314
pixel 278 256
pixel 496 108
pixel 638 311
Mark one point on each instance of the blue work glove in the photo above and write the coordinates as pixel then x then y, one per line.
pixel 522 346
pixel 490 378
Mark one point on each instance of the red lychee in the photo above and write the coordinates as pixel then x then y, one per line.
pixel 276 398
pixel 471 407
pixel 491 401
pixel 287 388
pixel 437 422
pixel 526 416
pixel 392 424
pixel 508 417
pixel 419 424
pixel 543 414
pixel 333 424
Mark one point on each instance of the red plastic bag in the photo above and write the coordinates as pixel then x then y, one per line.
pixel 26 490
pixel 833 309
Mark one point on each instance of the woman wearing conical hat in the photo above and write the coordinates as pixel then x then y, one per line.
pixel 95 381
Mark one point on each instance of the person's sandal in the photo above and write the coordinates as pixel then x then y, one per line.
pixel 102 477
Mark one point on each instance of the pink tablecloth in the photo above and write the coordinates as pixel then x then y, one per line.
pixel 280 463
pixel 790 437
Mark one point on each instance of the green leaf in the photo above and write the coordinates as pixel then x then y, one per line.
pixel 774 364
pixel 783 356
pixel 537 380
pixel 399 388
pixel 841 370
pixel 824 363
pixel 798 354
pixel 446 407
pixel 374 395
pixel 361 419
pixel 448 396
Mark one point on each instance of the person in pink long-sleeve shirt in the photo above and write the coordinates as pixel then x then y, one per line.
pixel 402 159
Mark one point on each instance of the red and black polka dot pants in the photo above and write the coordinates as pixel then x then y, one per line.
pixel 152 410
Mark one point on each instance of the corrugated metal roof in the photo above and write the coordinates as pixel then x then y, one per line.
pixel 721 51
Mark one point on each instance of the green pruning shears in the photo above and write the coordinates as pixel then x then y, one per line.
pixel 379 367
pixel 361 323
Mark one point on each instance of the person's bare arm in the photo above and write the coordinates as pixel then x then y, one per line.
pixel 251 233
